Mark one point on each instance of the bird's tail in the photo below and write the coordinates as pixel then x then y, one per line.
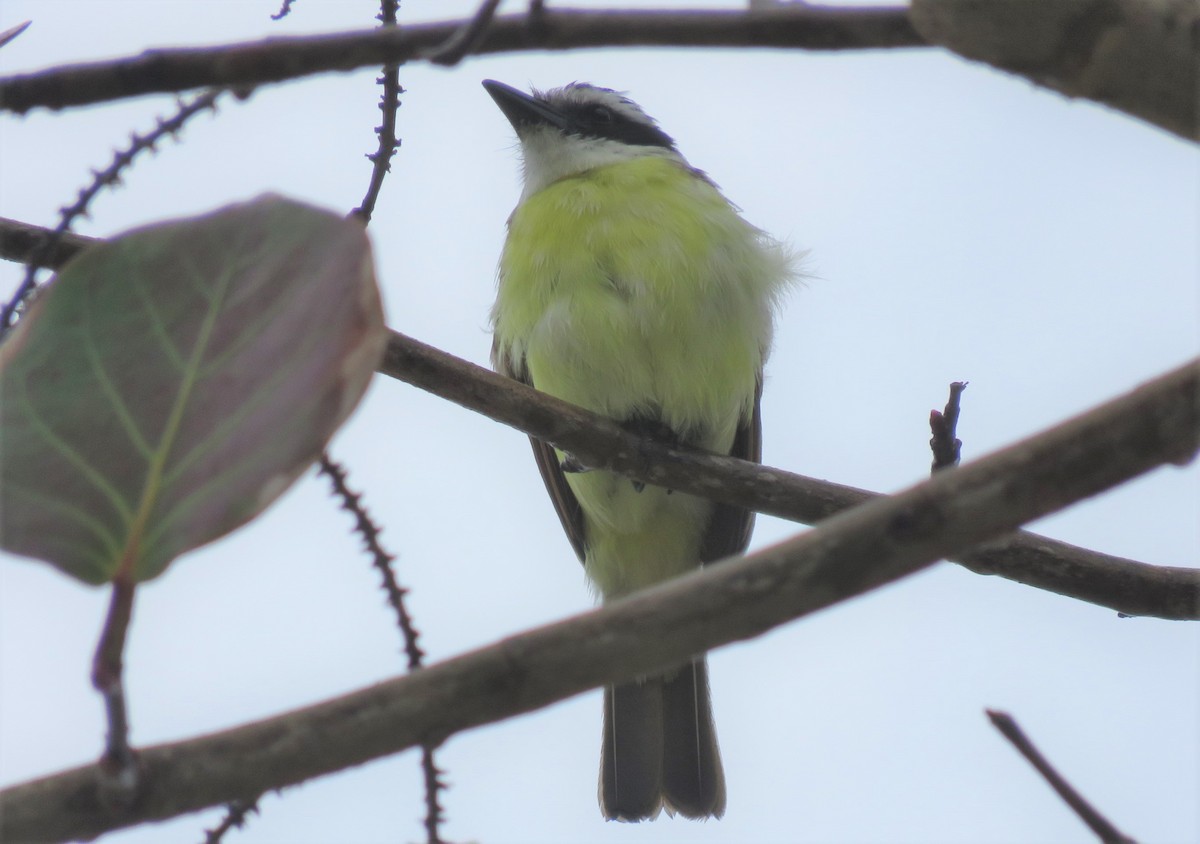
pixel 660 748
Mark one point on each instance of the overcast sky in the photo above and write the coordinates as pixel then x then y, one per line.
pixel 962 225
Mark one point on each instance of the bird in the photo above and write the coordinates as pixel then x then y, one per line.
pixel 630 286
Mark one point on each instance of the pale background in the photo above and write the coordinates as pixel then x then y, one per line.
pixel 962 223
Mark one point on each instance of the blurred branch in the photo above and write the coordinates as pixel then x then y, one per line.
pixel 1139 56
pixel 854 552
pixel 12 32
pixel 1099 824
pixel 236 813
pixel 253 63
pixel 1127 586
pixel 466 39
pixel 20 242
pixel 284 10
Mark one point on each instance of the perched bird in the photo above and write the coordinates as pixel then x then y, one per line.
pixel 629 285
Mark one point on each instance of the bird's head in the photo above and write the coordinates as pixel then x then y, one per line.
pixel 575 128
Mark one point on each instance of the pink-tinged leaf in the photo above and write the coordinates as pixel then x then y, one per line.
pixel 171 383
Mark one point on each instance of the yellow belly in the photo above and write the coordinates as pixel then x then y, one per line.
pixel 636 290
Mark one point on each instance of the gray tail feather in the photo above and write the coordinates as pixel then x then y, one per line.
pixel 693 779
pixel 660 748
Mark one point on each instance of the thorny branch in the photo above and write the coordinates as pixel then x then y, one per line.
pixel 381 161
pixel 365 526
pixel 389 104
pixel 235 818
pixel 109 176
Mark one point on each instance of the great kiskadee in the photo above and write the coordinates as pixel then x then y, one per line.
pixel 629 285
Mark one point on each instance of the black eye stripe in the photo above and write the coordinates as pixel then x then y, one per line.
pixel 597 120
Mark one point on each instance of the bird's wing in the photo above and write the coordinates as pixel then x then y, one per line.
pixel 565 502
pixel 730 527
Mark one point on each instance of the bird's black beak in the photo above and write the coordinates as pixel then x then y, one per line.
pixel 523 110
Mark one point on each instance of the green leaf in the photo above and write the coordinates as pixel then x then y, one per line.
pixel 171 383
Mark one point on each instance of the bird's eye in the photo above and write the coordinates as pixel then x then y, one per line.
pixel 603 115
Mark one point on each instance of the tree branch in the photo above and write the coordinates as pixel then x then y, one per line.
pixel 1127 586
pixel 20 242
pixel 1139 56
pixel 276 59
pixel 859 550
pixel 1133 55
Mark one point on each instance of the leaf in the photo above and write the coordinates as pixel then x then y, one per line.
pixel 171 383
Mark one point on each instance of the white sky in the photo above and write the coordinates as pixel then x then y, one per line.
pixel 962 225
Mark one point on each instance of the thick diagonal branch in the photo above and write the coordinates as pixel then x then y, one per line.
pixel 851 553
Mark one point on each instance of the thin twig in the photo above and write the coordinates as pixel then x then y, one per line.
pixel 284 10
pixel 389 104
pixel 1099 824
pixel 434 784
pixel 947 448
pixel 381 161
pixel 850 554
pixel 465 39
pixel 109 176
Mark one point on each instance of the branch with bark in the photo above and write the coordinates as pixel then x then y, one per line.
pixel 871 545
pixel 1130 587
pixel 1139 56
pixel 1127 586
pixel 275 59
